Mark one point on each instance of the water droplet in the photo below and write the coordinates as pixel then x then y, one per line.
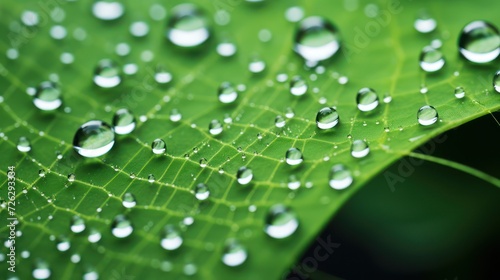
pixel 423 89
pixel 157 12
pixel 171 238
pixel 58 32
pixel 175 115
pixel 187 26
pixel 123 121
pixel 23 145
pixel 327 118
pixel 427 115
pixel 316 39
pixel 130 68
pixel 496 81
pixel 94 138
pixel 47 96
pixel 340 177
pixel 256 65
pixel 71 177
pixel 279 121
pixel 289 113
pixel 226 49
pixel 244 175
pixel 128 200
pixel 108 10
pixel 234 253
pixel 41 173
pixel 30 18
pixel 367 99
pixel 91 274
pixel 294 14
pixel 139 29
pixel 293 182
pixel 227 93
pixel 265 35
pixel 431 60
pixel 359 148
pixel 132 175
pixel 294 156
pixel 162 76
pixel 298 86
pixel 94 236
pixel 215 127
pixel 41 270
pixel 387 98
pixel 203 162
pixel 121 226
pixel 107 74
pixel 201 192
pixel 459 92
pixel 63 244
pixel 158 146
pixel 77 224
pixel 151 178
pixel 122 49
pixel 425 23
pixel 479 42
pixel 190 269
pixel 280 222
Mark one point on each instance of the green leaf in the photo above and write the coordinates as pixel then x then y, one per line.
pixel 379 52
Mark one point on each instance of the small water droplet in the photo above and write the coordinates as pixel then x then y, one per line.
pixel 107 74
pixel 387 98
pixel 298 86
pixel 203 162
pixel 293 182
pixel 226 49
pixel 496 81
pixel 123 121
pixel 121 226
pixel 77 224
pixel 316 39
pixel 94 138
pixel 41 270
pixel 479 42
pixel 190 269
pixel 94 236
pixel 188 26
pixel 359 148
pixel 171 238
pixel 425 23
pixel 279 121
pixel 23 145
pixel 30 18
pixel 280 222
pixel 289 113
pixel 151 178
pixel 139 29
pixel 427 115
pixel 90 274
pixel 175 115
pixel 41 173
pixel 340 177
pixel 162 76
pixel 47 96
pixel 423 89
pixel 244 175
pixel 128 200
pixel 234 253
pixel 215 127
pixel 431 60
pixel 63 244
pixel 459 92
pixel 108 10
pixel 327 118
pixel 158 146
pixel 294 156
pixel 367 99
pixel 201 191
pixel 294 14
pixel 227 93
pixel 256 65
pixel 71 177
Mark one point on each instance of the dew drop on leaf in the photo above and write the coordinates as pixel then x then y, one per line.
pixel 121 226
pixel 201 191
pixel 327 118
pixel 107 10
pixel 280 222
pixel 47 96
pixel 158 146
pixel 71 177
pixel 171 238
pixel 162 76
pixel 41 270
pixel 359 149
pixel 425 23
pixel 187 26
pixel 294 156
pixel 175 115
pixel 293 182
pixel 77 224
pixel 226 49
pixel 316 39
pixel 90 274
pixel 203 162
pixel 227 93
pixel 63 244
pixel 244 175
pixel 128 200
pixel 94 138
pixel 151 178
pixel 23 144
pixel 479 42
pixel 340 177
pixel 94 236
pixel 234 253
pixel 459 92
pixel 139 29
pixel 289 113
pixel 496 81
pixel 298 86
pixel 256 65
pixel 367 99
pixel 279 121
pixel 215 127
pixel 431 60
pixel 107 74
pixel 123 121
pixel 427 115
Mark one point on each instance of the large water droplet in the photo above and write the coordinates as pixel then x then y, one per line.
pixel 215 127
pixel 121 226
pixel 158 146
pixel 327 118
pixel 340 177
pixel 367 99
pixel 188 26
pixel 431 60
pixel 171 238
pixel 123 121
pixel 128 200
pixel 496 81
pixel 234 253
pixel 294 156
pixel 94 138
pixel 47 96
pixel 316 39
pixel 108 10
pixel 77 224
pixel 359 148
pixel 23 145
pixel 41 270
pixel 427 115
pixel 479 42
pixel 94 236
pixel 227 93
pixel 107 74
pixel 298 86
pixel 280 222
pixel 201 192
pixel 459 92
pixel 244 175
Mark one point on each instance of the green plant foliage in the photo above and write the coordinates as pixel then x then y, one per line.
pixel 380 49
